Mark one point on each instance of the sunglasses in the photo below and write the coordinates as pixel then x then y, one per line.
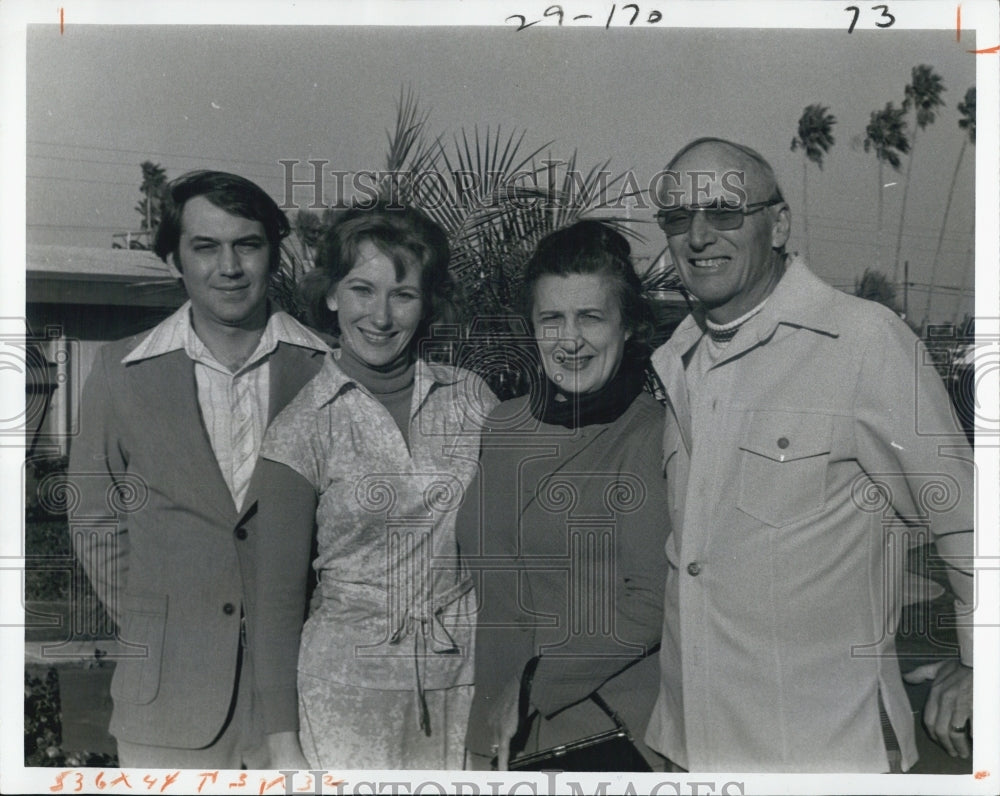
pixel 677 222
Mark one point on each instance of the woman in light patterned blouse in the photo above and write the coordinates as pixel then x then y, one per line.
pixel 376 452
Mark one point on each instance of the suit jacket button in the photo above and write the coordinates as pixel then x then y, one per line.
pixel 694 568
pixel 228 609
pixel 241 533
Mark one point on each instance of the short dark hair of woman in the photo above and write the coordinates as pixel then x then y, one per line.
pixel 236 195
pixel 593 247
pixel 405 235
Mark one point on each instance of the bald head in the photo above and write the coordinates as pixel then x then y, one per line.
pixel 726 225
pixel 709 170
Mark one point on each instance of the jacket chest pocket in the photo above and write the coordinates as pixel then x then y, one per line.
pixel 783 465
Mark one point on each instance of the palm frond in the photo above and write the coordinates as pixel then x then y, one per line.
pixel 886 135
pixel 815 133
pixel 967 107
pixel 496 198
pixel 408 131
pixel 295 261
pixel 923 93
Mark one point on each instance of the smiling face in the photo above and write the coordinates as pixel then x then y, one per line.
pixel 225 263
pixel 579 329
pixel 377 314
pixel 729 271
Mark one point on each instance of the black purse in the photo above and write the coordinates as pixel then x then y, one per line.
pixel 610 750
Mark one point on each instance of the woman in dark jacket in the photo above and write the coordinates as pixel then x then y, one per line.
pixel 565 526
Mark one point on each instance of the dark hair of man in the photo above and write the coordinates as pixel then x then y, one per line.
pixel 592 247
pixel 236 195
pixel 403 234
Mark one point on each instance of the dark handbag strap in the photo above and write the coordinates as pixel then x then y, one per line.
pixel 598 700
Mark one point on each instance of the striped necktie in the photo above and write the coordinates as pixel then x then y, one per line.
pixel 243 438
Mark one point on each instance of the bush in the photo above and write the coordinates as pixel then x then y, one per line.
pixel 50 569
pixel 46 538
pixel 46 533
pixel 42 720
pixel 43 727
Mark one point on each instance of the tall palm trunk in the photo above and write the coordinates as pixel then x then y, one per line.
pixel 970 274
pixel 944 224
pixel 814 137
pixel 878 225
pixel 902 212
pixel 805 207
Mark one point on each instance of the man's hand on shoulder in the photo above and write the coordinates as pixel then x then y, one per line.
pixel 948 712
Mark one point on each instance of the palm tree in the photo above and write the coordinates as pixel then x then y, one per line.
pixel 297 253
pixel 493 223
pixel 923 93
pixel 307 227
pixel 495 202
pixel 153 188
pixel 967 108
pixel 886 136
pixel 815 137
pixel 874 286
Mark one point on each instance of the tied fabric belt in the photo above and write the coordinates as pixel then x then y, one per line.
pixel 421 619
pixel 417 623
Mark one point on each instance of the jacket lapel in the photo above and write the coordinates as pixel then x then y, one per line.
pixel 292 367
pixel 669 367
pixel 166 389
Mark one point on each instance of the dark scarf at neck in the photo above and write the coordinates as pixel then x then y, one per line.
pixel 603 406
pixel 378 380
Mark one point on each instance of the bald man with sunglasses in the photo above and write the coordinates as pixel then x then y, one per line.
pixel 809 444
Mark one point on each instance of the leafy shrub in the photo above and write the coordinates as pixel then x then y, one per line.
pixel 43 727
pixel 50 569
pixel 42 720
pixel 46 532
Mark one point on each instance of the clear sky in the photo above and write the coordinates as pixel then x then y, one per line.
pixel 103 98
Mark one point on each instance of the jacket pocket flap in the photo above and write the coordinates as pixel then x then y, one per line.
pixel 786 436
pixel 137 677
